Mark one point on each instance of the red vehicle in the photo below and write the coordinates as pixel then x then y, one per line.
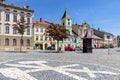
pixel 68 48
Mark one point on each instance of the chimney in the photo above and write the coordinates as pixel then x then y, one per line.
pixel 40 19
pixel 27 7
pixel 2 1
pixel 98 29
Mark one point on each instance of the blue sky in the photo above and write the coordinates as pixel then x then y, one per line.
pixel 104 14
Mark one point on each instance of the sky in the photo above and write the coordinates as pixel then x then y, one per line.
pixel 103 14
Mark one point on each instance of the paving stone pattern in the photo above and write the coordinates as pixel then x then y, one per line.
pixel 34 69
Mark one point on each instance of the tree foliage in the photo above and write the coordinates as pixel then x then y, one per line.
pixel 57 32
pixel 20 26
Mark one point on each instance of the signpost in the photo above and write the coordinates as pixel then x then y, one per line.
pixel 108 37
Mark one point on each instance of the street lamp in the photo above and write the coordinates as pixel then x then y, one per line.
pixel 108 37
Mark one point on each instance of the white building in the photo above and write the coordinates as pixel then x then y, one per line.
pixel 9 37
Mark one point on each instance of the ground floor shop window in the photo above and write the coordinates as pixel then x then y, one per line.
pixel 39 46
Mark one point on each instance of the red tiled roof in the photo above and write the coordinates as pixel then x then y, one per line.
pixel 42 23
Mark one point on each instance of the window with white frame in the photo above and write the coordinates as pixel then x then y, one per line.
pixel 28 42
pixel 41 38
pixel 0 15
pixel 50 39
pixel 14 18
pixel 37 29
pixel 41 30
pixel 6 42
pixel 28 31
pixel 14 31
pixel 28 20
pixel 14 42
pixel 7 30
pixel 45 38
pixel 0 28
pixel 7 17
pixel 36 38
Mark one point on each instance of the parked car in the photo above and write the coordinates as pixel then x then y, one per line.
pixel 51 48
pixel 104 47
pixel 68 48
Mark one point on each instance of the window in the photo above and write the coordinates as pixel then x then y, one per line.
pixel 0 15
pixel 45 38
pixel 7 30
pixel 0 41
pixel 28 42
pixel 41 38
pixel 37 29
pixel 0 28
pixel 50 39
pixel 28 13
pixel 7 17
pixel 28 20
pixel 36 38
pixel 14 18
pixel 41 30
pixel 63 23
pixel 14 42
pixel 6 42
pixel 28 31
pixel 22 18
pixel 14 31
pixel 14 11
pixel 68 19
pixel 68 23
pixel 22 12
pixel 21 42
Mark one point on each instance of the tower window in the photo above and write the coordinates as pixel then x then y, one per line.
pixel 68 23
pixel 63 23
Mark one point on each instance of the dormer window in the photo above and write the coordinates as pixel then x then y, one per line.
pixel 15 11
pixel 22 12
pixel 7 9
pixel 28 13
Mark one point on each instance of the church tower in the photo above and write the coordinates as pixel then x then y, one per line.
pixel 67 21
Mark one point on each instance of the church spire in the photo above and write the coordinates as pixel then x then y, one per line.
pixel 65 15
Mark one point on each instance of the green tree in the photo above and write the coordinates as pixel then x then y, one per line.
pixel 20 26
pixel 57 32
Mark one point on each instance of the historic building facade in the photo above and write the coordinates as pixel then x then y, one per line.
pixel 99 38
pixel 67 22
pixel 108 38
pixel 9 37
pixel 41 41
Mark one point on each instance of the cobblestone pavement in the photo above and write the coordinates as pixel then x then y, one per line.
pixel 34 69
pixel 99 56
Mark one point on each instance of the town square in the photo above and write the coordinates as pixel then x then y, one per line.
pixel 75 40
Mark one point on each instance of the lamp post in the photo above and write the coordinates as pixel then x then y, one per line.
pixel 108 37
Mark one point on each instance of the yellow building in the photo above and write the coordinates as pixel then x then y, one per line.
pixel 42 42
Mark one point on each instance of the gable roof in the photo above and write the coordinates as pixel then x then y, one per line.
pixel 100 33
pixel 45 23
pixel 87 35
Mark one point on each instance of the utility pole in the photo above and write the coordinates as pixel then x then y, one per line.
pixel 108 37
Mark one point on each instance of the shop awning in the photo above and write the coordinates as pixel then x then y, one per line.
pixel 39 43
